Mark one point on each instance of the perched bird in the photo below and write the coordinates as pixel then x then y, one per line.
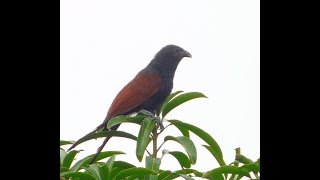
pixel 147 91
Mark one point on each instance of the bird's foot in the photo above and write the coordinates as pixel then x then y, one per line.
pixel 152 116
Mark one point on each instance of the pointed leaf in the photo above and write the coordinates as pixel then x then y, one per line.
pixel 122 164
pixel 111 161
pixel 180 173
pixel 250 168
pixel 77 175
pixel 182 158
pixel 241 158
pixel 186 177
pixel 63 154
pixel 115 171
pixel 258 164
pixel 63 169
pixel 164 104
pixel 198 174
pixel 63 142
pixel 69 158
pixel 180 100
pixel 93 169
pixel 101 134
pixel 124 119
pixel 143 137
pixel 133 171
pixel 226 169
pixel 85 161
pixel 185 171
pixel 215 155
pixel 164 174
pixel 203 135
pixel 184 131
pixel 137 177
pixel 188 146
pixel 104 172
pixel 153 164
pixel 217 177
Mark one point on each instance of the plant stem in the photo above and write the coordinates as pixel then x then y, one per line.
pixel 155 140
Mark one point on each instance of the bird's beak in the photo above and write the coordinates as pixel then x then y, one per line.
pixel 187 54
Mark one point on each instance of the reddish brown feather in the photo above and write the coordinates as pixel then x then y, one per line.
pixel 135 93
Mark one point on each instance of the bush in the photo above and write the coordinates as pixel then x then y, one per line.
pixel 149 132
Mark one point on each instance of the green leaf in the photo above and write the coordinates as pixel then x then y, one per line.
pixel 122 164
pixel 167 100
pixel 85 161
pixel 203 135
pixel 69 158
pixel 241 158
pixel 180 100
pixel 180 173
pixel 111 161
pixel 63 154
pixel 185 171
pixel 63 142
pixel 134 171
pixel 188 146
pixel 153 164
pixel 136 177
pixel 186 177
pixel 258 164
pixel 115 171
pixel 215 155
pixel 217 177
pixel 77 175
pixel 93 169
pixel 101 134
pixel 104 172
pixel 164 174
pixel 63 169
pixel 143 137
pixel 184 131
pixel 182 158
pixel 124 119
pixel 198 174
pixel 251 167
pixel 226 169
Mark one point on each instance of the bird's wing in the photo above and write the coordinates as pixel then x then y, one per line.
pixel 135 93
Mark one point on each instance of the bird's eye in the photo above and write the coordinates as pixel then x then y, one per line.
pixel 177 50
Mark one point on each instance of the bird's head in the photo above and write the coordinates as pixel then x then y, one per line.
pixel 173 52
pixel 167 59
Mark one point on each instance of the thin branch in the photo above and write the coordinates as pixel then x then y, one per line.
pixel 160 146
pixel 164 129
pixel 148 152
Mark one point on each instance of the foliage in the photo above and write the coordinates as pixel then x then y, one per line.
pixel 149 131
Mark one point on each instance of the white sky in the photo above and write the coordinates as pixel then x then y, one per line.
pixel 105 43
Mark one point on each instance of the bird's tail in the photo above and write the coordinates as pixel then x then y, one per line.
pixel 99 150
pixel 115 127
pixel 103 125
pixel 95 130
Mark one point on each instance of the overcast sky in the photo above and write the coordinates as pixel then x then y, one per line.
pixel 105 43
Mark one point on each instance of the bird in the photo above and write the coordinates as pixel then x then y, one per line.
pixel 146 92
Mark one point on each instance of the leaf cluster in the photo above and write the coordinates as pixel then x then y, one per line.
pixel 111 169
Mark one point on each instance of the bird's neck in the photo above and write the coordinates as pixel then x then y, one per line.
pixel 166 69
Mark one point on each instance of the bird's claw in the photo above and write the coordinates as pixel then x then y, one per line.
pixel 152 116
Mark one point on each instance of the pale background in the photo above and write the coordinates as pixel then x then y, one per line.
pixel 105 43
